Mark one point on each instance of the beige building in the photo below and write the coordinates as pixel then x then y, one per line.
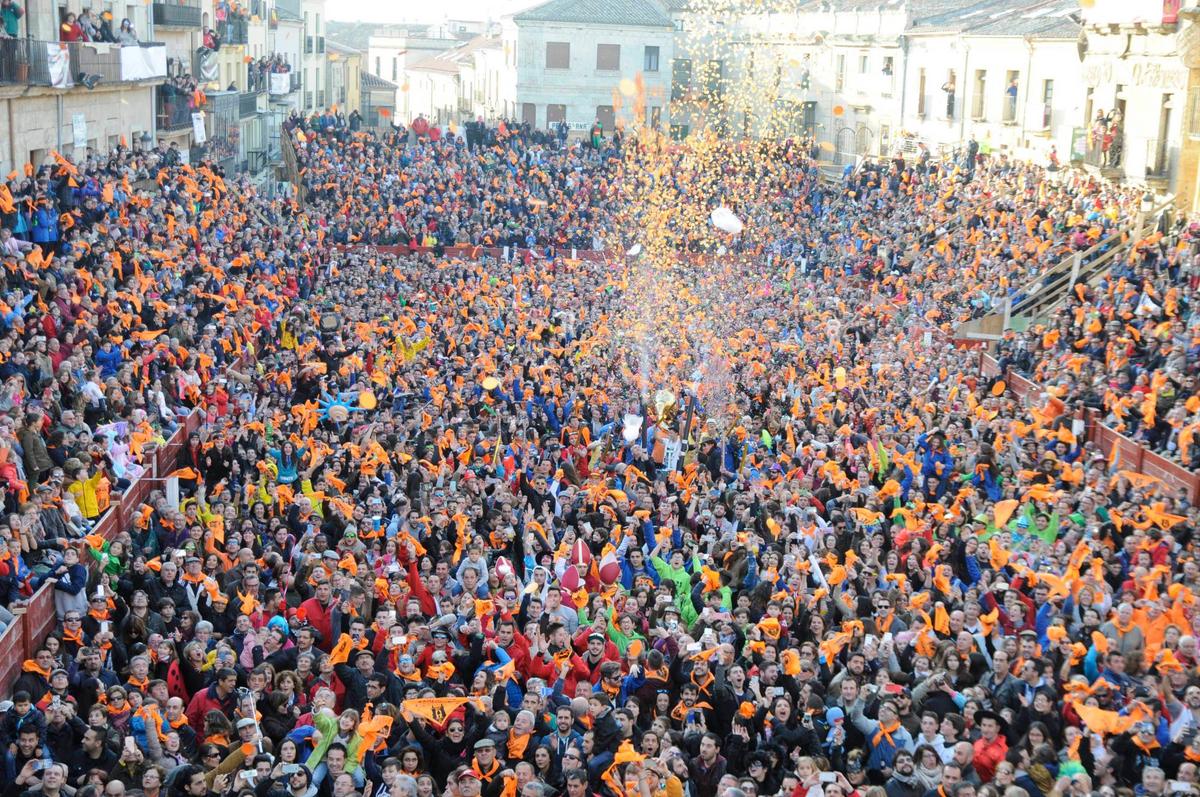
pixel 345 77
pixel 45 100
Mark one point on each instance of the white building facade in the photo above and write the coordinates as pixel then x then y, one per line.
pixel 576 61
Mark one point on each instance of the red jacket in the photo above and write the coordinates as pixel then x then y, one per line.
pixel 548 671
pixel 207 700
pixel 321 618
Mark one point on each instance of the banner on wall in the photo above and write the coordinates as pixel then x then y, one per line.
pixel 199 136
pixel 79 130
pixel 143 63
pixel 281 82
pixel 59 60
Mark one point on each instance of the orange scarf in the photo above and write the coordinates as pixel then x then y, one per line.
pixel 486 777
pixel 1148 749
pixel 101 616
pixel 32 666
pixel 680 711
pixel 885 732
pixel 75 637
pixel 705 687
pixel 1192 755
pixel 517 744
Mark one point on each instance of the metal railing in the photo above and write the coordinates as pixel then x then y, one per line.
pixel 27 62
pixel 1106 158
pixel 24 62
pixel 1046 293
pixel 177 14
pixel 308 45
pixel 248 103
pixel 173 109
pixel 235 30
pixel 321 99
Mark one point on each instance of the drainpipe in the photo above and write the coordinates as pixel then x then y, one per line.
pixel 961 107
pixel 58 127
pixel 1028 83
pixel 153 89
pixel 903 80
pixel 12 135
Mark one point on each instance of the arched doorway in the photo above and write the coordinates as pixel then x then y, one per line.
pixel 844 147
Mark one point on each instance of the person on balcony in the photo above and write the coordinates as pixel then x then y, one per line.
pixel 71 30
pixel 91 28
pixel 127 35
pixel 10 17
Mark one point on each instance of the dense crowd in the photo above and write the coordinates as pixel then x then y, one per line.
pixel 466 527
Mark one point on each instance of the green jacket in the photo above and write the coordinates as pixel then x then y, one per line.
pixel 328 726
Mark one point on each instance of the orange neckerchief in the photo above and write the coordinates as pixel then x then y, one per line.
pixel 1146 748
pixel 681 709
pixel 73 636
pixel 705 687
pixel 883 625
pixel 32 666
pixel 100 615
pixel 517 744
pixel 1191 754
pixel 486 777
pixel 885 732
pixel 219 739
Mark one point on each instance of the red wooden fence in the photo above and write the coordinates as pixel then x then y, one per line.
pixel 36 620
pixel 1133 455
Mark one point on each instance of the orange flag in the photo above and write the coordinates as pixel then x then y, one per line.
pixel 341 651
pixel 435 709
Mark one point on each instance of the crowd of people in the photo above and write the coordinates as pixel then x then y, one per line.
pixel 735 524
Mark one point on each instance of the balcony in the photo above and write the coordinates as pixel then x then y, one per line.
pixel 172 109
pixel 234 30
pixel 248 103
pixel 177 14
pixel 65 64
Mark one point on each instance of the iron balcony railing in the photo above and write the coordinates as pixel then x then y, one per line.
pixel 173 109
pixel 32 62
pixel 248 103
pixel 177 14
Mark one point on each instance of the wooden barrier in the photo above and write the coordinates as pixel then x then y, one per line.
pixel 36 620
pixel 469 252
pixel 1131 454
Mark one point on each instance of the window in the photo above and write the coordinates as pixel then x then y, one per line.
pixel 558 55
pixel 1012 87
pixel 529 114
pixel 978 106
pixel 921 92
pixel 604 113
pixel 377 65
pixel 951 89
pixel 714 74
pixel 1047 103
pixel 862 64
pixel 395 61
pixel 654 116
pixel 608 57
pixel 681 78
pixel 840 78
pixel 555 113
pixel 679 132
pixel 650 59
pixel 889 66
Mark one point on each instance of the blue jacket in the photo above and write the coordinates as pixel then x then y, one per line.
pixel 45 225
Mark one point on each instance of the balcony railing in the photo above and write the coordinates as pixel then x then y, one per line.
pixel 308 98
pixel 65 64
pixel 173 109
pixel 295 81
pixel 177 14
pixel 1106 155
pixel 320 44
pixel 248 103
pixel 321 100
pixel 234 30
pixel 308 45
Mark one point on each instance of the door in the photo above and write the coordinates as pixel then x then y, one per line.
pixel 844 147
pixel 529 114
